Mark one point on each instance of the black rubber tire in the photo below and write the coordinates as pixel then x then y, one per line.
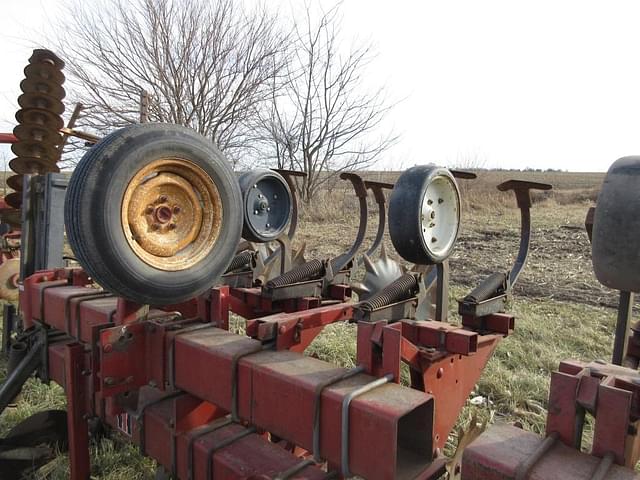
pixel 93 213
pixel 405 210
pixel 616 227
pixel 281 209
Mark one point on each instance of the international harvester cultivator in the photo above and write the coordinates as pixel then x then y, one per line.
pixel 171 244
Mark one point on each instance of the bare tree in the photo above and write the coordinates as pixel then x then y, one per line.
pixel 206 64
pixel 324 120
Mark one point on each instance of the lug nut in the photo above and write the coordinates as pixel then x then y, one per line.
pixel 433 214
pixel 434 239
pixel 162 198
pixel 149 210
pixel 429 202
pixel 275 197
pixel 268 209
pixel 440 200
pixel 176 209
pixel 172 226
pixel 268 225
pixel 255 212
pixel 155 226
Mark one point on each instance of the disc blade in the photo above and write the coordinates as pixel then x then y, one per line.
pixel 41 100
pixel 14 182
pixel 23 165
pixel 40 117
pixel 32 132
pixel 45 72
pixel 9 274
pixel 41 85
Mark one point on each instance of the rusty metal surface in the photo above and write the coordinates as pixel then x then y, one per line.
pixel 498 452
pixel 171 214
pixel 9 276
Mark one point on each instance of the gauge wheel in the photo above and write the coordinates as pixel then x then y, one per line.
pixel 267 205
pixel 616 227
pixel 153 213
pixel 424 214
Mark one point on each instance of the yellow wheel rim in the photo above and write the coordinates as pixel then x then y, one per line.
pixel 171 214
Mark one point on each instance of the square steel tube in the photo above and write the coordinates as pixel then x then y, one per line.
pixel 248 457
pixel 390 427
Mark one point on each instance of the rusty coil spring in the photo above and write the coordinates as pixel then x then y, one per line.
pixel 400 289
pixel 307 271
pixel 241 260
pixel 491 286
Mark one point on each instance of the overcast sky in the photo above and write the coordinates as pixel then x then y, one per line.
pixel 544 84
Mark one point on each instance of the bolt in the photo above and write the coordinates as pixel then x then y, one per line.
pixel 176 209
pixel 440 200
pixel 434 239
pixel 433 215
pixel 255 185
pixel 129 379
pixel 268 225
pixel 109 381
pixel 440 372
pixel 429 202
pixel 255 212
pixel 149 210
pixel 155 226
pixel 268 209
pixel 275 197
pixel 260 195
pixel 86 372
pixel 162 198
pixel 172 226
pixel 107 348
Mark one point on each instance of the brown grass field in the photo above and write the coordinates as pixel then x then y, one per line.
pixel 561 310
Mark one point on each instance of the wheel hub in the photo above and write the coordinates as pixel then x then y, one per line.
pixel 171 214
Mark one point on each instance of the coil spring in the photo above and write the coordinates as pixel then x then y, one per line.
pixel 241 260
pixel 307 271
pixel 400 289
pixel 490 286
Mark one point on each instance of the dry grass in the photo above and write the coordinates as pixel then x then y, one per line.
pixel 559 306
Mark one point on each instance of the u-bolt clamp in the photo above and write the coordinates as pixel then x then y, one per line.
pixel 522 190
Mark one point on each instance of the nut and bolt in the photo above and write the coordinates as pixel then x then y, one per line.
pixel 255 212
pixel 149 210
pixel 268 225
pixel 176 209
pixel 155 226
pixel 172 226
pixel 429 202
pixel 162 198
pixel 268 209
pixel 440 200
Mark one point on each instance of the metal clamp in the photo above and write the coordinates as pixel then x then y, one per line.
pixel 143 409
pixel 346 402
pixel 522 472
pixel 200 432
pixel 298 467
pixel 172 347
pixel 317 401
pixel 223 444
pixel 234 378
